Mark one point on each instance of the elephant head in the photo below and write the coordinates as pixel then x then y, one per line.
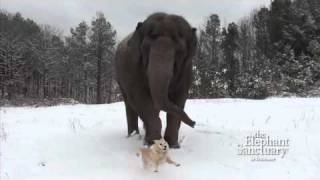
pixel 164 44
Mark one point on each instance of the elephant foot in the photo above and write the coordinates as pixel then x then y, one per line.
pixel 147 144
pixel 171 145
pixel 174 146
pixel 150 141
pixel 133 132
pixel 173 142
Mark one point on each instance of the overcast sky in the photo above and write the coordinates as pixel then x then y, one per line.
pixel 124 14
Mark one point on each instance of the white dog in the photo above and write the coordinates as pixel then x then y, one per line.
pixel 156 154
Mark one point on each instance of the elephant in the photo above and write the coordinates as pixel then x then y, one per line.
pixel 154 72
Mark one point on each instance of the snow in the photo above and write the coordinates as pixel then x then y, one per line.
pixel 75 142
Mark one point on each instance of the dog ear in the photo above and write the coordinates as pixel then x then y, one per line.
pixel 155 141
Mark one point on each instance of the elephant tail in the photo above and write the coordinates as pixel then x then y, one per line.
pixel 169 107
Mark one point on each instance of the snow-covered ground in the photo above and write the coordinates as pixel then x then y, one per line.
pixel 88 142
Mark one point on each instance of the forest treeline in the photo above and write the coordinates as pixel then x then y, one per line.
pixel 274 51
pixel 38 62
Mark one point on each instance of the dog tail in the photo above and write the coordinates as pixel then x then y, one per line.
pixel 140 151
pixel 182 139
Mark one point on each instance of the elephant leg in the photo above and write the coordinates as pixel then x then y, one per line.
pixel 144 108
pixel 153 126
pixel 172 131
pixel 132 120
pixel 173 124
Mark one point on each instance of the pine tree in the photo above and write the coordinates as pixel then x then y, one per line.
pixel 231 47
pixel 261 25
pixel 208 82
pixel 280 18
pixel 80 62
pixel 212 33
pixel 102 43
pixel 246 44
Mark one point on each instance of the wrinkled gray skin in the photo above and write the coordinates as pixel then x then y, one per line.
pixel 154 72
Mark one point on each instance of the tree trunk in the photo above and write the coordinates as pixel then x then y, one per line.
pixel 99 57
pixel 44 86
pixel 10 87
pixel 38 86
pixel 2 91
pixel 110 89
pixel 86 87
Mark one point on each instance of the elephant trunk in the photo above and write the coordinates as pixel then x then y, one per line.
pixel 160 71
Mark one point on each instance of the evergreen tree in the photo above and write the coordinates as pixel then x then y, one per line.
pixel 102 43
pixel 212 45
pixel 80 64
pixel 231 48
pixel 246 44
pixel 261 25
pixel 208 82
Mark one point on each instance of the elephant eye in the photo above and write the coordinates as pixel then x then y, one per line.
pixel 174 38
pixel 180 34
pixel 154 36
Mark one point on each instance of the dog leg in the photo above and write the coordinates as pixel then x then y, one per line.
pixel 156 166
pixel 145 162
pixel 170 161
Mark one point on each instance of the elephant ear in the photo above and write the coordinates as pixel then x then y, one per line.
pixel 192 43
pixel 134 43
pixel 191 50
